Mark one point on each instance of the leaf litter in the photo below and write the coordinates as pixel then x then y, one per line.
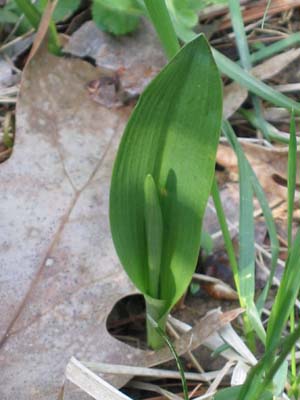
pixel 269 164
pixel 54 193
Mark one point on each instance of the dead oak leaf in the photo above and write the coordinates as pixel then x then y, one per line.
pixel 269 164
pixel 59 272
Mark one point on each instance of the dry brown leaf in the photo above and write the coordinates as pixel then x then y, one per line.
pixel 256 10
pixel 136 58
pixel 215 287
pixel 235 95
pixel 90 383
pixel 220 291
pixel 59 272
pixel 269 164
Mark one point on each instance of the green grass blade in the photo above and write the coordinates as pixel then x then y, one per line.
pixel 242 45
pixel 269 51
pixel 261 376
pixel 262 123
pixel 154 234
pixel 161 20
pixel 240 34
pixel 173 135
pixel 228 132
pixel 286 295
pixel 254 85
pixel 34 17
pixel 269 131
pixel 246 226
pixel 226 234
pixel 247 249
pixel 292 168
pixel 175 355
pixel 246 235
pixel 271 227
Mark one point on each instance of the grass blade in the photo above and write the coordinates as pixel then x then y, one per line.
pixel 243 49
pixel 280 45
pixel 240 34
pixel 160 18
pixel 254 85
pixel 292 168
pixel 246 240
pixel 271 227
pixel 269 131
pixel 176 357
pixel 286 296
pixel 226 234
pixel 261 376
pixel 229 133
pixel 34 17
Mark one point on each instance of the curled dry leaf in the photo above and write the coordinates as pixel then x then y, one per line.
pixel 220 291
pixel 216 288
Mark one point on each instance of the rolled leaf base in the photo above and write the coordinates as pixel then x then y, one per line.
pixel 155 313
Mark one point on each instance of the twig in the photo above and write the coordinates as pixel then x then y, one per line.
pixel 116 369
pixel 90 383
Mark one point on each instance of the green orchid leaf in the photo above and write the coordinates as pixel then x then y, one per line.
pixel 154 234
pixel 155 310
pixel 172 135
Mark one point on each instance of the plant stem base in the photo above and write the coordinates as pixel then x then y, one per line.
pixel 156 309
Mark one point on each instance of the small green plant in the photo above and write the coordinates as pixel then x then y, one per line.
pixel 162 178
